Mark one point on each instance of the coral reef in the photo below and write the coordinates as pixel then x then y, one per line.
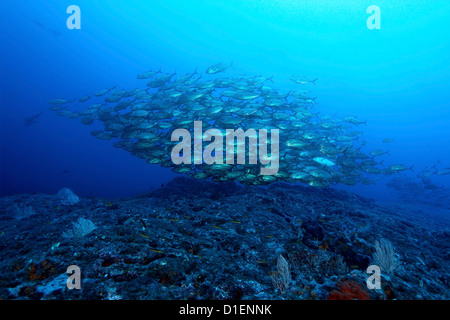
pixel 195 239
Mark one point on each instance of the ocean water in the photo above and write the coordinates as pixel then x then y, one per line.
pixel 396 78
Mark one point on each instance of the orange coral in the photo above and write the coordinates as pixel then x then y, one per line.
pixel 41 271
pixel 348 290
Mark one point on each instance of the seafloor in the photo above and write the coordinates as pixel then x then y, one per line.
pixel 201 240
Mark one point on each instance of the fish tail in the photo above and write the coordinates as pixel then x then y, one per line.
pixel 287 94
pixel 411 168
pixel 314 81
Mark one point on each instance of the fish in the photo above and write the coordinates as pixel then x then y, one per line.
pixel 378 152
pixel 246 95
pixel 427 172
pixel 148 74
pixel 219 67
pixel 442 172
pixel 300 94
pixel 190 96
pixel 324 161
pixel 113 98
pixel 315 150
pixel 60 101
pixel 300 175
pixel 400 167
pixel 302 80
pixel 28 121
pixel 313 135
pixel 354 120
pixel 84 98
pixel 345 139
pixel 296 143
pixel 103 92
pixel 160 81
pixel 52 31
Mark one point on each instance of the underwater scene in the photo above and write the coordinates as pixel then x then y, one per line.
pixel 252 150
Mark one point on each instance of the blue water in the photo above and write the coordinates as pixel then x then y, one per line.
pixel 397 78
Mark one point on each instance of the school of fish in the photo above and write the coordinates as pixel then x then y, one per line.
pixel 313 149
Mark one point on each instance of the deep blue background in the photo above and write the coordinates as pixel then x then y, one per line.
pixel 396 78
